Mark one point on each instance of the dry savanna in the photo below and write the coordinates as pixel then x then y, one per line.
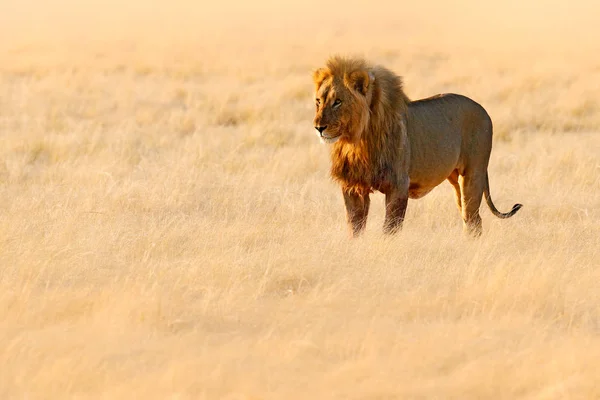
pixel 169 229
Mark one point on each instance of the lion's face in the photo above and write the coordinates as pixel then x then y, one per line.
pixel 342 110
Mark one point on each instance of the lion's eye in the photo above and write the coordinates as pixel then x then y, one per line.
pixel 318 102
pixel 337 103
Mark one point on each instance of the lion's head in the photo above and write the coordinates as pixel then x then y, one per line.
pixel 343 94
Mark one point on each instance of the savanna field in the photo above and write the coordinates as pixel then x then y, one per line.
pixel 168 227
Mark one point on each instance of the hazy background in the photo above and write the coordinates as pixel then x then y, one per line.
pixel 168 227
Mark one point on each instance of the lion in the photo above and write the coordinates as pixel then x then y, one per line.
pixel 380 140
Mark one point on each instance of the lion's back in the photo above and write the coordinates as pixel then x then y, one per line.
pixel 448 107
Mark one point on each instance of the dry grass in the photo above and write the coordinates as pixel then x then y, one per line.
pixel 168 227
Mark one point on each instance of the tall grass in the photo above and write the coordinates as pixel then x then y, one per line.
pixel 168 227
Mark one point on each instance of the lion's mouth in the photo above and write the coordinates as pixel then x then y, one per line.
pixel 328 139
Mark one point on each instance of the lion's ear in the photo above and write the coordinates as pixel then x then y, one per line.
pixel 360 80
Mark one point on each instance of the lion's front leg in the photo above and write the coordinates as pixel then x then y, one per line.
pixel 357 209
pixel 395 209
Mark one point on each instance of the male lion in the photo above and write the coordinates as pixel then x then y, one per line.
pixel 383 141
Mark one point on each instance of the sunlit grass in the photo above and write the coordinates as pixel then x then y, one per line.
pixel 168 226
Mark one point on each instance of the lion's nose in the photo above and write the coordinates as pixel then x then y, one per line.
pixel 321 128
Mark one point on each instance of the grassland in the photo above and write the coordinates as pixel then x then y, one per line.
pixel 168 228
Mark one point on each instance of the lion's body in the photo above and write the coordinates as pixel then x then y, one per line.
pixel 385 142
pixel 446 133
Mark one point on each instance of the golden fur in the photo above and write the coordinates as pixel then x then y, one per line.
pixel 383 141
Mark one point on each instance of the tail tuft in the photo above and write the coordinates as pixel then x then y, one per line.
pixel 490 204
pixel 509 214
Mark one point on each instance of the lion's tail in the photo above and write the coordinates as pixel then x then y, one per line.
pixel 491 205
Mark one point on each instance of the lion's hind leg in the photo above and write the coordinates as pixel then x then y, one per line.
pixel 471 186
pixel 453 179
